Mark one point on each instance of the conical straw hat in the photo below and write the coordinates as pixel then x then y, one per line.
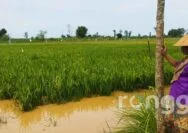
pixel 183 41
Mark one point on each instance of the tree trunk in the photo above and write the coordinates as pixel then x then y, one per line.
pixel 159 76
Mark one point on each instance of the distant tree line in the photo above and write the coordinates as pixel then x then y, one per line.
pixel 176 32
pixel 3 34
pixel 82 32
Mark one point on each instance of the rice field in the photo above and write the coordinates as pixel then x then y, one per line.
pixel 57 72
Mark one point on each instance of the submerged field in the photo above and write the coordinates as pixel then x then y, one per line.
pixel 40 73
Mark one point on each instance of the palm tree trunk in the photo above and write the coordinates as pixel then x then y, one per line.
pixel 159 76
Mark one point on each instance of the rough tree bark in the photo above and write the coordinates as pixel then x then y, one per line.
pixel 159 76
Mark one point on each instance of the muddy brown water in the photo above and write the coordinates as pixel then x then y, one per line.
pixel 89 115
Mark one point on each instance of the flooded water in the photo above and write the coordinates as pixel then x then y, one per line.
pixel 90 115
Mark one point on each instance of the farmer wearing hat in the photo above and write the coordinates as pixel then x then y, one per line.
pixel 179 82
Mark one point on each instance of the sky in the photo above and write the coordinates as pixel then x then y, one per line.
pixel 103 16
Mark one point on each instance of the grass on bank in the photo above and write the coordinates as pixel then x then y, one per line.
pixel 141 120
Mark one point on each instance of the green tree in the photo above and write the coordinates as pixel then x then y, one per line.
pixel 176 32
pixel 126 33
pixel 114 33
pixel 130 33
pixel 26 35
pixel 3 32
pixel 139 35
pixel 119 35
pixel 41 35
pixel 81 31
pixel 120 31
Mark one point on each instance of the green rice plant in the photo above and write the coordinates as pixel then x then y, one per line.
pixel 141 120
pixel 57 72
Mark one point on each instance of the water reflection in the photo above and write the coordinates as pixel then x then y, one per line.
pixel 64 117
pixel 91 115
